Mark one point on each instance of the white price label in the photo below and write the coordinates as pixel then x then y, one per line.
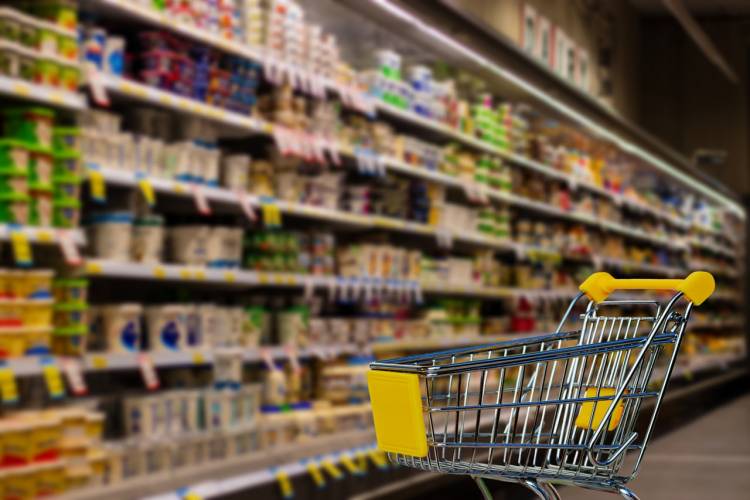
pixel 148 372
pixel 246 205
pixel 201 203
pixel 68 247
pixel 74 375
pixel 96 85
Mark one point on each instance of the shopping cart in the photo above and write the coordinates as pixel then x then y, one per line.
pixel 559 408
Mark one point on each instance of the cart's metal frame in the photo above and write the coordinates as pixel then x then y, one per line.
pixel 558 408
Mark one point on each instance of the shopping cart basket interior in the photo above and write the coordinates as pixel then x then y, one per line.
pixel 560 408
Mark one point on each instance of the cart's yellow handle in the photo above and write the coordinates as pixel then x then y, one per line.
pixel 697 287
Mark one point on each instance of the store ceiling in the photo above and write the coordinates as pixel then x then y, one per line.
pixel 698 8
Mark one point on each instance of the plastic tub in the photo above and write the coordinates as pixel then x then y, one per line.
pixel 148 239
pixel 32 125
pixel 12 342
pixel 41 208
pixel 67 187
pixel 166 327
pixel 38 341
pixel 66 140
pixel 68 165
pixel 14 208
pixel 31 284
pixel 189 244
pixel 6 281
pixel 70 290
pixel 111 235
pixel 66 213
pixel 36 313
pixel 47 72
pixel 122 327
pixel 71 314
pixel 14 180
pixel 70 341
pixel 70 77
pixel 41 162
pixel 14 154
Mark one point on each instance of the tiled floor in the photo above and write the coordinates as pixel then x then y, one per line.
pixel 708 459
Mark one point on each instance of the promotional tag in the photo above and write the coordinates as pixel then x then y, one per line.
pixel 8 386
pixel 201 203
pixel 74 376
pixel 96 85
pixel 148 372
pixel 285 484
pixel 247 207
pixel 316 474
pixel 68 247
pixel 21 248
pixel 144 183
pixel 331 469
pixel 53 380
pixel 97 185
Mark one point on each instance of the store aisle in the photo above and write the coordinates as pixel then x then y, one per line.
pixel 708 458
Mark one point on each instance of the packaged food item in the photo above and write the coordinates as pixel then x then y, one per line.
pixel 189 244
pixel 236 171
pixel 31 284
pixel 31 125
pixel 110 234
pixel 148 239
pixel 68 290
pixel 36 313
pixel 121 327
pixel 41 207
pixel 41 161
pixel 14 208
pixel 67 187
pixel 66 213
pixel 70 340
pixel 166 327
pixel 292 324
pixel 68 165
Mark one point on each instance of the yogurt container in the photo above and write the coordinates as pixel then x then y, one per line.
pixel 14 180
pixel 36 313
pixel 235 171
pixel 166 327
pixel 148 239
pixel 32 125
pixel 71 314
pixel 14 153
pixel 14 208
pixel 31 284
pixel 66 213
pixel 111 235
pixel 41 208
pixel 70 290
pixel 189 244
pixel 121 327
pixel 67 187
pixel 70 341
pixel 66 140
pixel 68 164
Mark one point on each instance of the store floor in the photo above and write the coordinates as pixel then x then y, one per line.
pixel 707 459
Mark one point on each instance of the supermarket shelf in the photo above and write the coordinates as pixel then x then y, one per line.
pixel 434 344
pixel 21 89
pixel 398 166
pixel 220 195
pixel 42 235
pixel 201 482
pixel 713 248
pixel 100 362
pixel 157 97
pixel 523 161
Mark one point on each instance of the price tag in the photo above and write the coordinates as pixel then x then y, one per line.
pixel 331 469
pixel 99 362
pixel 349 465
pixel 97 185
pixel 230 276
pixel 148 372
pixel 247 207
pixel 281 138
pixel 43 236
pixel 160 272
pixel 267 358
pixel 316 474
pixel 198 358
pixel 96 85
pixel 285 485
pixel 201 203
pixel 8 386
pixel 74 375
pixel 147 190
pixel 52 379
pixel 361 457
pixel 21 248
pixel 271 215
pixel 68 247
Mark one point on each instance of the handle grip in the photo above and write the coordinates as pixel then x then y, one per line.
pixel 697 287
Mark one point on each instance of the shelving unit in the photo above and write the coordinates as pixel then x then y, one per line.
pixel 675 232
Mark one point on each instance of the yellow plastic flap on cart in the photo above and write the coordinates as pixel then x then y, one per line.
pixel 397 412
pixel 599 409
pixel 697 287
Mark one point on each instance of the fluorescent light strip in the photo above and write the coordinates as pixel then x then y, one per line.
pixel 559 106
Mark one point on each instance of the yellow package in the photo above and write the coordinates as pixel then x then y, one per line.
pixel 599 410
pixel 77 476
pixel 20 484
pixel 36 313
pixel 94 425
pixel 50 479
pixel 12 342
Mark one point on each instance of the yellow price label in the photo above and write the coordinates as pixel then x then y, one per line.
pixel 271 214
pixel 349 465
pixel 285 484
pixel 160 272
pixel 331 468
pixel 21 248
pixel 43 236
pixel 316 474
pixel 99 362
pixel 53 380
pixel 179 188
pixel 93 268
pixel 147 190
pixel 230 277
pixel 21 89
pixel 291 280
pixel 200 274
pixel 263 279
pixel 191 496
pixel 185 274
pixel 56 97
pixel 97 185
pixel 8 386
pixel 198 358
pixel 361 461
